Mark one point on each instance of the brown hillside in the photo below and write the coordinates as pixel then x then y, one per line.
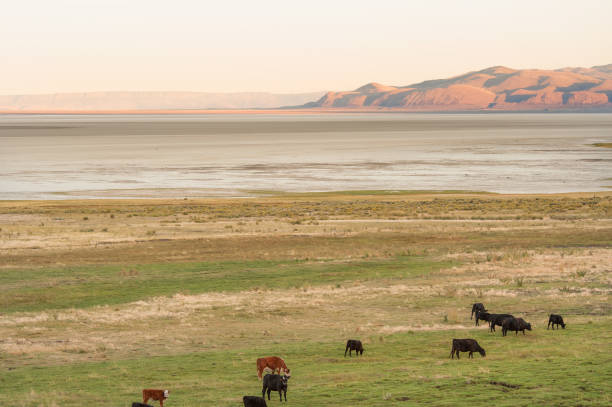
pixel 495 88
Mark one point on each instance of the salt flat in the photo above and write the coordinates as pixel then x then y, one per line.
pixel 63 156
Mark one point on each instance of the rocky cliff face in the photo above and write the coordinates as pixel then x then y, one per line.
pixel 495 88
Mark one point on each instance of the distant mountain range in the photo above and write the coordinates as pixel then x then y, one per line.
pixel 134 101
pixel 495 88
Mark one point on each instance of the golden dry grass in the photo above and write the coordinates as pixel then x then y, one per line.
pixel 300 226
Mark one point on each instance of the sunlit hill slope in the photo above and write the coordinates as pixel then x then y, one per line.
pixel 495 88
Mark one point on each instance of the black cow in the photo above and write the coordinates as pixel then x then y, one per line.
pixel 275 382
pixel 353 345
pixel 555 320
pixel 497 319
pixel 482 316
pixel 140 405
pixel 466 345
pixel 515 324
pixel 254 401
pixel 477 307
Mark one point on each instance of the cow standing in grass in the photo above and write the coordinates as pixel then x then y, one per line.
pixel 515 324
pixel 353 345
pixel 482 316
pixel 153 394
pixel 477 307
pixel 277 383
pixel 254 401
pixel 273 363
pixel 466 345
pixel 497 319
pixel 555 320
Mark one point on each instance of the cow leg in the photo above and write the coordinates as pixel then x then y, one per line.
pixel 280 395
pixel 285 391
pixel 161 403
pixel 269 391
pixel 457 353
pixel 263 393
pixel 345 351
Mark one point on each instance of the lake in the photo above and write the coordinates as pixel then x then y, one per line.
pixel 85 156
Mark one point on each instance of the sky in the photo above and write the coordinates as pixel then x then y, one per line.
pixel 286 46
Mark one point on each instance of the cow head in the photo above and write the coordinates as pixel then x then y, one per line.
pixel 529 327
pixel 287 373
pixel 562 325
pixel 166 392
pixel 482 352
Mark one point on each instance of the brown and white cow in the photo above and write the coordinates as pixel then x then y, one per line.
pixel 274 363
pixel 153 394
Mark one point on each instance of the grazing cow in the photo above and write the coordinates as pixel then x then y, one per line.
pixel 254 401
pixel 466 345
pixel 477 307
pixel 135 404
pixel 274 363
pixel 515 324
pixel 353 345
pixel 157 395
pixel 555 320
pixel 497 319
pixel 482 316
pixel 277 383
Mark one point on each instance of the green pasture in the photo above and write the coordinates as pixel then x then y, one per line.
pixel 80 287
pixel 568 367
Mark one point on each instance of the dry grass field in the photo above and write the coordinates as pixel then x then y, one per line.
pixel 101 298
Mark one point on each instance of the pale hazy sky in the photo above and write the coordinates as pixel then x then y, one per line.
pixel 286 46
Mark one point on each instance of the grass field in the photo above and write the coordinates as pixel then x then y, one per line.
pixel 100 299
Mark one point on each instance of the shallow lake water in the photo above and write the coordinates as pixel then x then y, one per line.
pixel 70 156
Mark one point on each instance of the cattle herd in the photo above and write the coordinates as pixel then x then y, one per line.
pixel 279 382
pixel 507 322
